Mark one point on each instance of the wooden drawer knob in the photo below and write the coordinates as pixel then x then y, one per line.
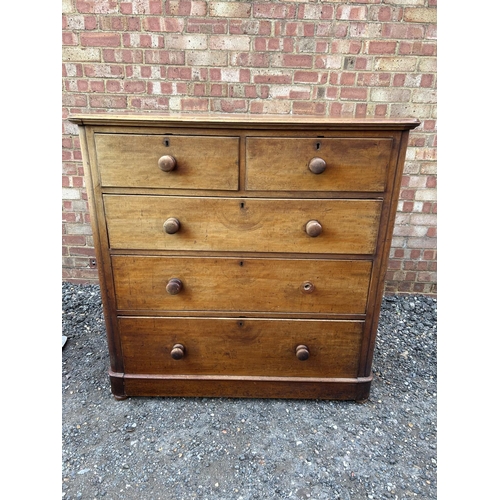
pixel 302 352
pixel 171 225
pixel 313 228
pixel 317 165
pixel 174 286
pixel 167 163
pixel 178 351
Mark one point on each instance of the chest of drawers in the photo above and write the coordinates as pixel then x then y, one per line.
pixel 242 256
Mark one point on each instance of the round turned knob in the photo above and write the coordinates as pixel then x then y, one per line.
pixel 177 351
pixel 174 286
pixel 167 163
pixel 313 228
pixel 171 225
pixel 317 165
pixel 302 352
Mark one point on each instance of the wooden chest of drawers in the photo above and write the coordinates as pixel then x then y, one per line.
pixel 242 256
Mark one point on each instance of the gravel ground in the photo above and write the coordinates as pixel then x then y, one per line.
pixel 210 448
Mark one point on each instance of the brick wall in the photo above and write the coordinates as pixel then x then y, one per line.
pixel 325 58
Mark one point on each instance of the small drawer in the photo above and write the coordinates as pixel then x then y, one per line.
pixel 246 225
pixel 168 161
pixel 317 164
pixel 248 347
pixel 241 284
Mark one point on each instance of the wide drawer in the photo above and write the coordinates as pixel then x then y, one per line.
pixel 201 162
pixel 241 284
pixel 249 347
pixel 246 225
pixel 350 164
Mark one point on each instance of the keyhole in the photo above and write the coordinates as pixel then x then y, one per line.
pixel 318 145
pixel 242 204
pixel 166 142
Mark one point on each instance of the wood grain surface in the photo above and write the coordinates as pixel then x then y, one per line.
pixel 246 284
pixel 251 347
pixel 131 160
pixel 249 225
pixel 282 164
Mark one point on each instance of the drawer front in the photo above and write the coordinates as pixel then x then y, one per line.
pixel 241 284
pixel 201 162
pixel 350 164
pixel 249 347
pixel 249 225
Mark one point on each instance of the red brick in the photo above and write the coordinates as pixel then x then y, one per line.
pixel 348 79
pixel 431 181
pixel 153 103
pixel 97 86
pixel 249 27
pixel 402 31
pixel 361 110
pixel 250 59
pixel 194 104
pixel 298 61
pixel 74 240
pixel 273 11
pixel 429 254
pixel 394 264
pixel 374 79
pixel 69 38
pixel 179 73
pixel 354 93
pixel 100 39
pixel 272 78
pixel 82 251
pixel 309 108
pixel 381 110
pixel 108 102
pixel 382 47
pixel 135 87
pixel 409 265
pixel 216 26
pixel 351 13
pixel 165 57
pixel 427 81
pixel 232 105
pixel 218 90
pixel 103 71
pixel 407 194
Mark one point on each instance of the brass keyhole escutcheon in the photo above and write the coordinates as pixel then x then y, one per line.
pixel 308 287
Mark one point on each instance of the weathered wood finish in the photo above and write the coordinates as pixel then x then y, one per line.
pixel 245 284
pixel 242 225
pixel 129 160
pixel 253 264
pixel 282 164
pixel 218 346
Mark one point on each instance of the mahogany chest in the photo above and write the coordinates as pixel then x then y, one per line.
pixel 242 256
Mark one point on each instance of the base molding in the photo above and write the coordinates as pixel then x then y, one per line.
pixel 353 389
